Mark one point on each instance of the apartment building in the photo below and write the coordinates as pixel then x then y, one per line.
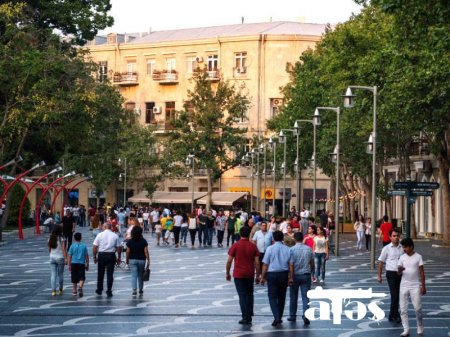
pixel 153 72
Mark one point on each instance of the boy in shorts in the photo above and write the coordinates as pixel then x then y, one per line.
pixel 158 232
pixel 78 263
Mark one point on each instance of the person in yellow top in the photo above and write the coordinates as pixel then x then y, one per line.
pixel 237 227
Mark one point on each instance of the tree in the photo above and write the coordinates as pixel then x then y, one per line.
pixel 50 104
pixel 77 19
pixel 207 128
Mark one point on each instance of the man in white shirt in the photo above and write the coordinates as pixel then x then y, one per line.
pixel 106 244
pixel 389 257
pixel 155 218
pixel 262 239
pixel 410 266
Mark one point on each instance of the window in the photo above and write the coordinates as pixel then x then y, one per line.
pixel 190 64
pixel 240 63
pixel 170 112
pixel 171 63
pixel 150 66
pixel 178 189
pixel 213 62
pixel 275 106
pixel 103 71
pixel 131 67
pixel 131 115
pixel 149 114
pixel 242 118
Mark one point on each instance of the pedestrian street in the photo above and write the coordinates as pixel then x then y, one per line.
pixel 187 295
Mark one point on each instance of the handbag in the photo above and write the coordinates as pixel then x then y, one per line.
pixel 146 275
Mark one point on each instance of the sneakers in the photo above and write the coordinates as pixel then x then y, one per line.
pixel 292 319
pixel 306 321
pixel 405 333
pixel 109 294
pixel 98 292
pixel 61 291
pixel 134 293
pixel 141 292
pixel 53 293
pixel 80 292
pixel 420 330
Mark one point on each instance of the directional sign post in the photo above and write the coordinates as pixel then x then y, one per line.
pixel 411 190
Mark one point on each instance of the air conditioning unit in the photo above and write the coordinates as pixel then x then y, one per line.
pixel 277 102
pixel 199 59
pixel 157 109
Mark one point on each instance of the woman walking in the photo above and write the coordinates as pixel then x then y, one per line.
pixel 320 249
pixel 359 228
pixel 192 227
pixel 368 232
pixel 137 255
pixel 58 258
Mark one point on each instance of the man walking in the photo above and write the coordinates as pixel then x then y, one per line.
pixel 69 226
pixel 106 244
pixel 246 263
pixel 301 265
pixel 262 239
pixel 389 257
pixel 276 270
pixel 384 230
pixel 410 266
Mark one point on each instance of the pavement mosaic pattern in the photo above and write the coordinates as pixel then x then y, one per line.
pixel 188 296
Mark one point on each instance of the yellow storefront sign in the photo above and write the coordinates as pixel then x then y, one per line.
pixel 240 189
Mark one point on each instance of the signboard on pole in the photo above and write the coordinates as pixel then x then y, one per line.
pixel 403 185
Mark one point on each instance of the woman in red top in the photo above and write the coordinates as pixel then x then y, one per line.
pixel 309 238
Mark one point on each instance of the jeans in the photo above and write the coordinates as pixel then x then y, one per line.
pixel 244 288
pixel 319 261
pixel 304 283
pixel 277 283
pixel 202 234
pixel 359 236
pixel 368 238
pixel 393 280
pixel 209 235
pixel 416 301
pixel 106 261
pixel 230 234
pixel 145 225
pixel 184 231
pixel 192 233
pixel 220 235
pixel 176 233
pixel 57 272
pixel 137 269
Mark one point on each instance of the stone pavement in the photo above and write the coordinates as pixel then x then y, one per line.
pixel 188 295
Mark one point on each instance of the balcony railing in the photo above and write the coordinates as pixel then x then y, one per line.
pixel 125 79
pixel 213 75
pixel 165 77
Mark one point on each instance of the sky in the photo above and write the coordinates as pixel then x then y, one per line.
pixel 143 15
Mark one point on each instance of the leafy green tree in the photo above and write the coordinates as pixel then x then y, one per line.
pixel 207 128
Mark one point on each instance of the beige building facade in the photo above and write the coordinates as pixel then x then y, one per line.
pixel 153 72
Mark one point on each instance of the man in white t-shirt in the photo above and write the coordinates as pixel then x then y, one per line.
pixel 410 266
pixel 155 218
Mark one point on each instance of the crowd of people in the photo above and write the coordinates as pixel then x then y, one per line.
pixel 285 253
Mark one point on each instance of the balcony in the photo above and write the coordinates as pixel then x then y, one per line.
pixel 165 77
pixel 125 79
pixel 213 75
pixel 163 126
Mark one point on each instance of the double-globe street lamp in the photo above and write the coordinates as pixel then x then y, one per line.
pixel 273 146
pixel 315 122
pixel 335 159
pixel 190 161
pixel 371 147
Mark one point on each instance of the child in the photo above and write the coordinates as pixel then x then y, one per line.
pixel 78 263
pixel 158 232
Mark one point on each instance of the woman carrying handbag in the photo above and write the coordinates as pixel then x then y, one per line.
pixel 138 259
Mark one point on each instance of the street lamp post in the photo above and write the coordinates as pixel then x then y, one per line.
pixel 335 158
pixel 315 122
pixel 262 149
pixel 13 161
pixel 349 103
pixel 273 147
pixel 124 177
pixel 190 161
pixel 282 140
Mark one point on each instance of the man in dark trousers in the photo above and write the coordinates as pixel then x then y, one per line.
pixel 246 263
pixel 389 257
pixel 276 269
pixel 69 227
pixel 106 244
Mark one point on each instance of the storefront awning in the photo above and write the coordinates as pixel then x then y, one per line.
pixel 163 197
pixel 223 198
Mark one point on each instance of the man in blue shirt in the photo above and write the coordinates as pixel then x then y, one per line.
pixel 276 269
pixel 301 264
